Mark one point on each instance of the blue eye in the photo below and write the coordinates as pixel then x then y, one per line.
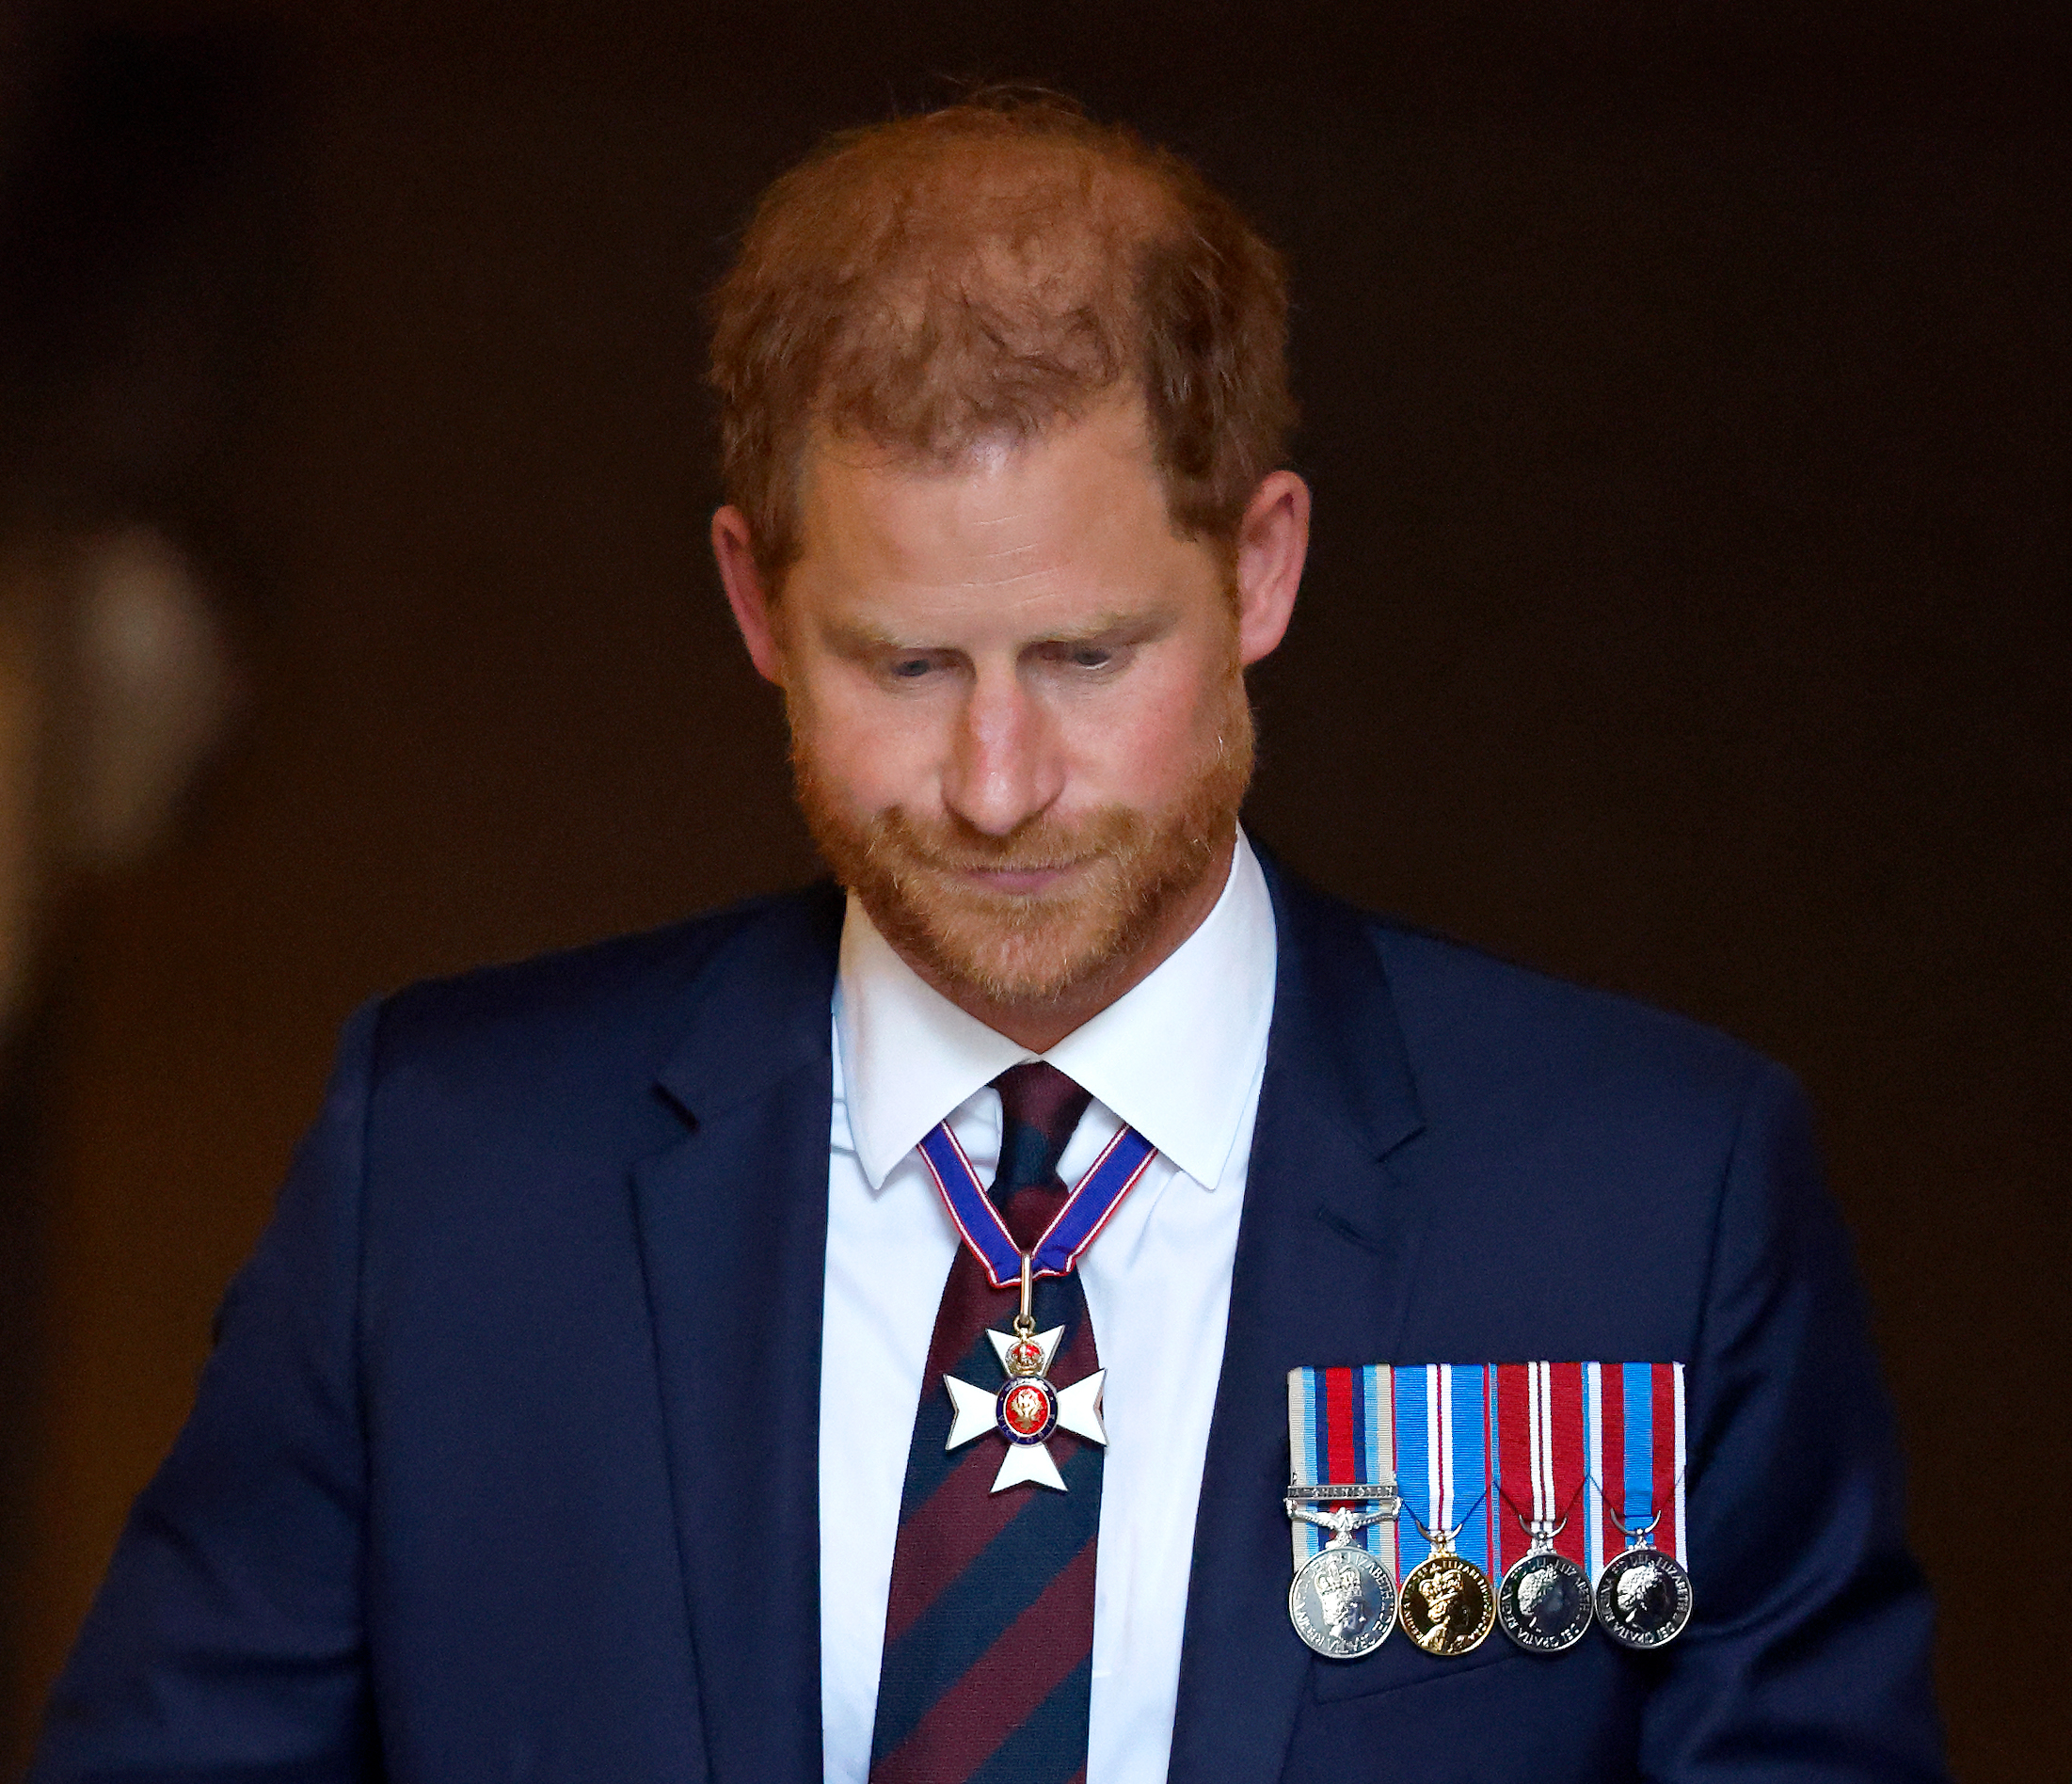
pixel 1088 657
pixel 910 668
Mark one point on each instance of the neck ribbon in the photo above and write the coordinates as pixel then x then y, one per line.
pixel 1121 1163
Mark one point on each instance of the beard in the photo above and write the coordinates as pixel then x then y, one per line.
pixel 1021 949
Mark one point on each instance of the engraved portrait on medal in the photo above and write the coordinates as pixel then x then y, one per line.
pixel 1447 1607
pixel 1544 1602
pixel 1643 1598
pixel 1343 1603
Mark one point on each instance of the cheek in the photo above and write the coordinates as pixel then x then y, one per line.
pixel 866 758
pixel 1148 745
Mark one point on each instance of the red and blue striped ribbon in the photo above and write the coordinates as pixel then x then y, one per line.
pixel 1635 1412
pixel 1341 1433
pixel 1119 1168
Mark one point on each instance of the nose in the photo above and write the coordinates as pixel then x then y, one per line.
pixel 1005 764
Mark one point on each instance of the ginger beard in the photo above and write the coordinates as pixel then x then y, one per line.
pixel 1031 948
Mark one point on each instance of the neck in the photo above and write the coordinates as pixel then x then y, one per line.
pixel 1040 1025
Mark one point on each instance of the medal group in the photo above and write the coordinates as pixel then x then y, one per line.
pixel 1540 1496
pixel 1543 1496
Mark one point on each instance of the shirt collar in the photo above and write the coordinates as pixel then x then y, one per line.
pixel 1174 1057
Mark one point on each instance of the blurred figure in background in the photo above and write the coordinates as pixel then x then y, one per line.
pixel 135 274
pixel 115 683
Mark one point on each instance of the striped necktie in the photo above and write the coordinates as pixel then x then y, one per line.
pixel 989 1632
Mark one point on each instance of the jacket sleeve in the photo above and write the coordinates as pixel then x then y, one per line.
pixel 1808 1657
pixel 226 1641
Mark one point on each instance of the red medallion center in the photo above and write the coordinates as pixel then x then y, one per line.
pixel 1028 1410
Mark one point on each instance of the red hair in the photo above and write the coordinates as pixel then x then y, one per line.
pixel 986 270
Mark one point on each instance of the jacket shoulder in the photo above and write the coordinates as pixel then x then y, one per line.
pixel 1484 1023
pixel 1579 1147
pixel 602 1001
pixel 1506 1058
pixel 1474 1024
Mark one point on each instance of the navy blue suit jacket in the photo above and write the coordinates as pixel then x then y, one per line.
pixel 504 1464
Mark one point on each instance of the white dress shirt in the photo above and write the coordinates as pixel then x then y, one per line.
pixel 1179 1057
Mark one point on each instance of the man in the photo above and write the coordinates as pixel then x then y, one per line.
pixel 631 1383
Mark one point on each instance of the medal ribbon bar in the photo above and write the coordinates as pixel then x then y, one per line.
pixel 1123 1162
pixel 1364 1493
pixel 1635 1412
pixel 1340 1435
pixel 1542 1460
pixel 1445 1458
pixel 1596 1443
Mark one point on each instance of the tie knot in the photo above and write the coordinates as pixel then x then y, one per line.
pixel 1039 1108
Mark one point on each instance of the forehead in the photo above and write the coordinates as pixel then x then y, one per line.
pixel 1078 508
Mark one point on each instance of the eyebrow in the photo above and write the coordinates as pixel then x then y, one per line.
pixel 861 639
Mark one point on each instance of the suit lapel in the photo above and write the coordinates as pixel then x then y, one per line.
pixel 733 1225
pixel 1325 1251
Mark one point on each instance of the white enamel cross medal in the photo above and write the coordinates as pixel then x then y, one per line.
pixel 1025 1408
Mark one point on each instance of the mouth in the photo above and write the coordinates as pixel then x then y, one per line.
pixel 1020 881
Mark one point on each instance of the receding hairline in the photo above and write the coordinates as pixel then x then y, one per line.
pixel 926 286
pixel 919 157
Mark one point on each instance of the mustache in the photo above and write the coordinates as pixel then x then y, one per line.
pixel 1044 845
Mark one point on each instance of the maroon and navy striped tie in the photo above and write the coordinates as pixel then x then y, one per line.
pixel 989 1634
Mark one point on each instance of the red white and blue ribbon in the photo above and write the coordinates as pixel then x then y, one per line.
pixel 1445 1461
pixel 1542 1456
pixel 1635 1412
pixel 1472 1444
pixel 1341 1433
pixel 1119 1168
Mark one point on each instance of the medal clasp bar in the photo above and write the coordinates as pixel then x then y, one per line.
pixel 1376 1492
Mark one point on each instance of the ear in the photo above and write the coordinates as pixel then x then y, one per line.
pixel 733 551
pixel 1273 540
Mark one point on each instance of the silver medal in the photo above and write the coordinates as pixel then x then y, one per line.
pixel 1644 1596
pixel 1544 1602
pixel 1342 1601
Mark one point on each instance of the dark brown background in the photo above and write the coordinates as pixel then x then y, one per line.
pixel 1686 403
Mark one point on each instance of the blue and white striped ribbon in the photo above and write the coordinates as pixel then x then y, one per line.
pixel 1446 1459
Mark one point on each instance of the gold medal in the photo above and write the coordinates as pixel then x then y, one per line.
pixel 1447 1606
